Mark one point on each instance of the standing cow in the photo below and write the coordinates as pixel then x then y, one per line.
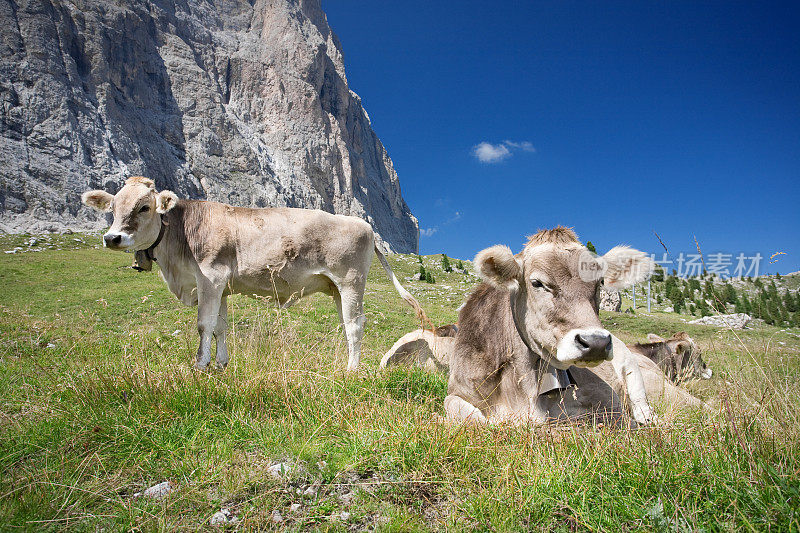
pixel 208 250
pixel 534 316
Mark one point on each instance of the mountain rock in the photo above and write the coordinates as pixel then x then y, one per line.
pixel 229 100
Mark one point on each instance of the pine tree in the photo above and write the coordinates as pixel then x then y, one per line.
pixel 421 272
pixel 446 264
pixel 730 293
pixel 419 258
pixel 748 308
pixel 429 277
pixel 789 302
pixel 460 265
pixel 590 247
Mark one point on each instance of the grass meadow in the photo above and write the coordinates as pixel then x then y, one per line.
pixel 99 400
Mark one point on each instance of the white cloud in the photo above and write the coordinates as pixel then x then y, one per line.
pixel 494 153
pixel 491 153
pixel 427 232
pixel 525 146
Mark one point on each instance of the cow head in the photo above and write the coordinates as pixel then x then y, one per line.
pixel 137 209
pixel 686 354
pixel 554 286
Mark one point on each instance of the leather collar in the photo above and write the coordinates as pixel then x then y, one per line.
pixel 143 259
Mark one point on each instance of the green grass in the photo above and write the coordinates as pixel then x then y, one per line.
pixel 99 400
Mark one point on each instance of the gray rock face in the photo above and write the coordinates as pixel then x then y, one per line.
pixel 223 100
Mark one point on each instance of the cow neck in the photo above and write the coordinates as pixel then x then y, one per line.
pixel 553 378
pixel 151 249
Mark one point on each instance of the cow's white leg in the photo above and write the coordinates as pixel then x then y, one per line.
pixel 458 409
pixel 628 371
pixel 352 303
pixel 221 333
pixel 209 300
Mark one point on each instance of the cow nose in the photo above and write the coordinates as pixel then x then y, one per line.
pixel 112 240
pixel 594 345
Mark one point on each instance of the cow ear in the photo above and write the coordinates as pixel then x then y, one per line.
pixel 626 266
pixel 498 266
pixel 100 200
pixel 652 337
pixel 165 201
pixel 682 347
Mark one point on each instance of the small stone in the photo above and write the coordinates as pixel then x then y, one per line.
pixel 294 507
pixel 277 518
pixel 279 470
pixel 51 345
pixel 345 516
pixel 157 491
pixel 322 465
pixel 310 492
pixel 219 518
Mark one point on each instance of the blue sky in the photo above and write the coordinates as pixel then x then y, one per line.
pixel 615 118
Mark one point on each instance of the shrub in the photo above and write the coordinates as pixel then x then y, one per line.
pixel 446 264
pixel 429 277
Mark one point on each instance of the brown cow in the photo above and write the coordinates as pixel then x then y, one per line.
pixel 208 250
pixel 679 356
pixel 432 351
pixel 535 315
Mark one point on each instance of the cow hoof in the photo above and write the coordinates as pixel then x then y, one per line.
pixel 200 366
pixel 220 366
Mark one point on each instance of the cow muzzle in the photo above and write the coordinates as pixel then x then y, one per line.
pixel 117 240
pixel 584 347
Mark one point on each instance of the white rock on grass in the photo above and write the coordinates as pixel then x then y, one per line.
pixel 277 518
pixel 295 507
pixel 156 492
pixel 280 470
pixel 218 519
pixel 732 321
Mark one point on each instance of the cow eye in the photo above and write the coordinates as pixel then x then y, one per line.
pixel 537 283
pixel 144 209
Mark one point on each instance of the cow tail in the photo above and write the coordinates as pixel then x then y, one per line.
pixel 421 316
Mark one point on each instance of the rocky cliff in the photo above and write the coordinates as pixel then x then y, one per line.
pixel 230 100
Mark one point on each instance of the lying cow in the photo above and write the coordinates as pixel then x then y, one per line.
pixel 679 356
pixel 432 350
pixel 534 316
pixel 208 250
pixel 427 349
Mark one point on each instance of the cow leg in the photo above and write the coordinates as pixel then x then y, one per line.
pixel 458 409
pixel 209 301
pixel 629 373
pixel 221 333
pixel 352 304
